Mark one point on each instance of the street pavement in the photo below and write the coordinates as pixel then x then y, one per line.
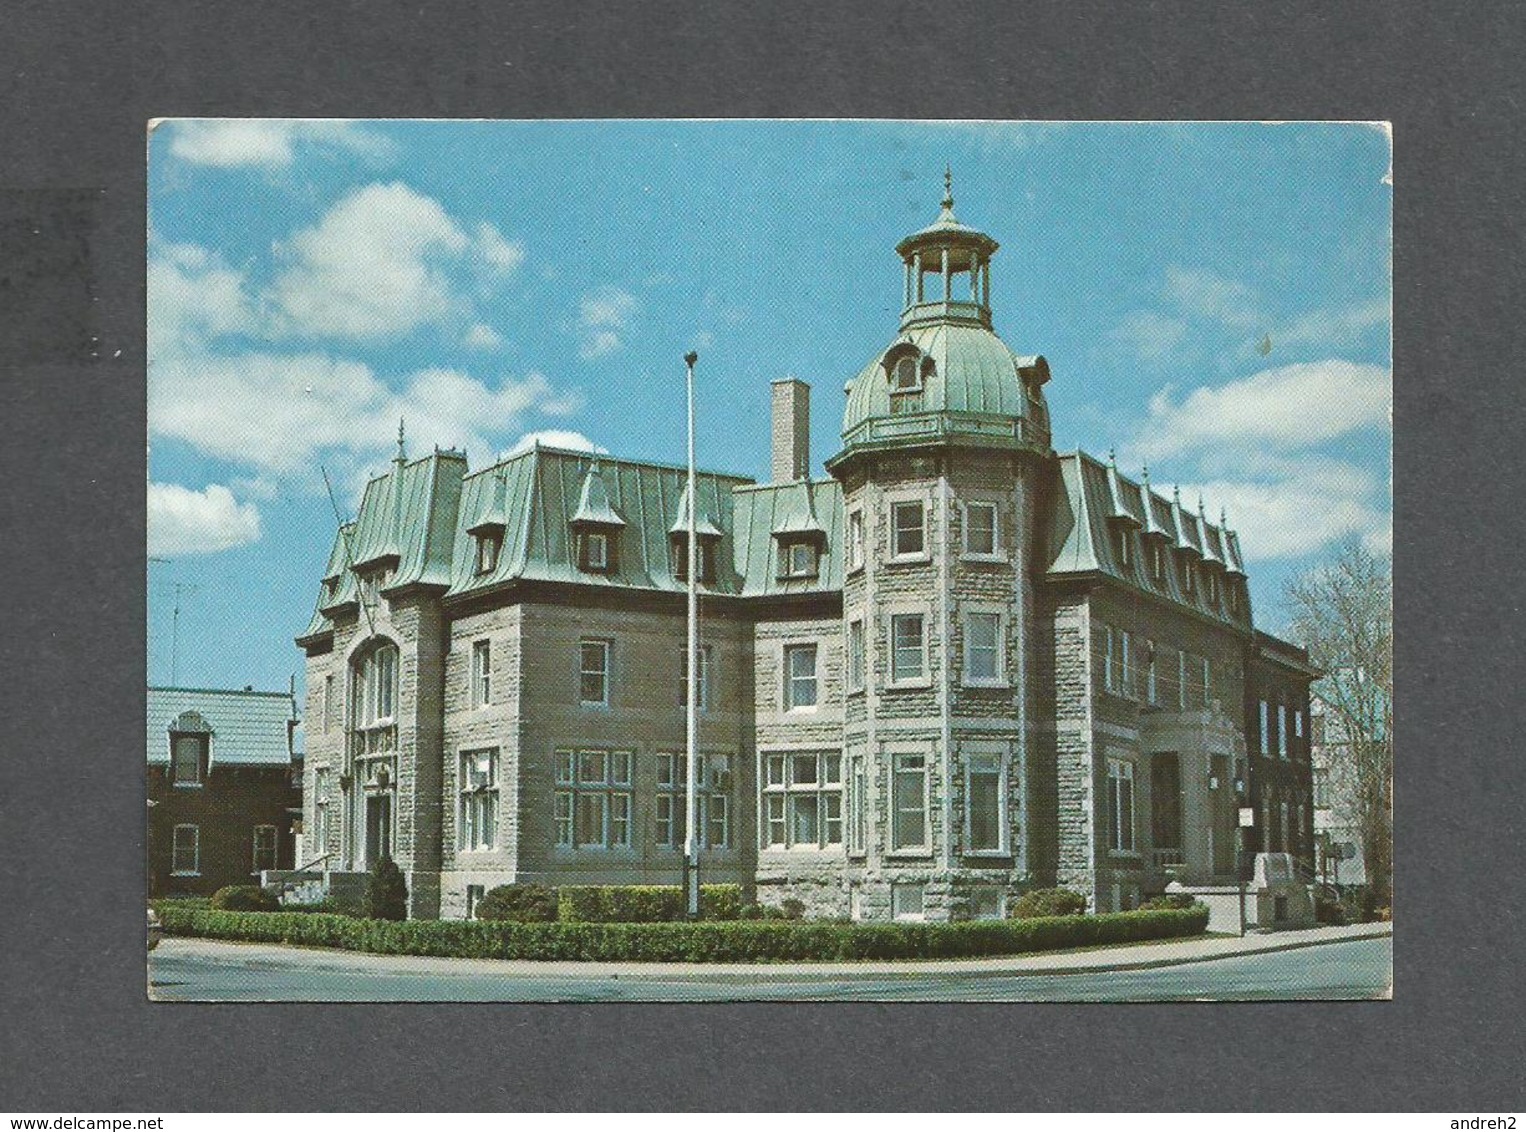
pixel 1325 963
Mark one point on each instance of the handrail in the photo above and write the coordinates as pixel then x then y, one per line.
pixel 314 861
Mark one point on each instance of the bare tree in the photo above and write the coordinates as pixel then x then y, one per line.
pixel 1342 610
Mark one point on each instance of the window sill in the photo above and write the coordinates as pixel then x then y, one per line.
pixel 857 691
pixel 184 874
pixel 852 570
pixel 909 559
pixel 807 709
pixel 988 854
pixel 920 684
pixel 592 705
pixel 998 684
pixel 920 854
pixel 1125 854
pixel 991 559
pixel 188 785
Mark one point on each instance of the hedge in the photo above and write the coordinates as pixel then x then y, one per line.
pixel 643 903
pixel 736 941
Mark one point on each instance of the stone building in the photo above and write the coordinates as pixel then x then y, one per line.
pixel 957 666
pixel 223 790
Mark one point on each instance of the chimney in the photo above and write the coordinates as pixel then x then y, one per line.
pixel 792 430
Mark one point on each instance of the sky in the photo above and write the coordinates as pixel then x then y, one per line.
pixel 312 282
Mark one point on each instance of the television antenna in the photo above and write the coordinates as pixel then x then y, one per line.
pixel 180 589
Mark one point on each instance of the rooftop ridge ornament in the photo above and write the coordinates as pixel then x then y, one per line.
pixel 948 190
pixel 402 453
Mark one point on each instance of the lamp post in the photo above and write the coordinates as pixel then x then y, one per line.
pixel 691 699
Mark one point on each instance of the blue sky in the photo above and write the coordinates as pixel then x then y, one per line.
pixel 311 282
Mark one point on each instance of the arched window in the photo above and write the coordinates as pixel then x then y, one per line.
pixel 375 689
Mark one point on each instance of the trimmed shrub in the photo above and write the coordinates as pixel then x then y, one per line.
pixel 793 908
pixel 328 907
pixel 245 898
pixel 1328 909
pixel 386 892
pixel 711 942
pixel 523 903
pixel 1168 900
pixel 643 903
pixel 1048 902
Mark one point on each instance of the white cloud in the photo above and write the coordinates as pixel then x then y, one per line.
pixel 1284 408
pixel 383 261
pixel 184 522
pixel 602 314
pixel 231 143
pixel 1149 335
pixel 194 295
pixel 1311 504
pixel 557 438
pixel 1205 294
pixel 483 337
pixel 1335 330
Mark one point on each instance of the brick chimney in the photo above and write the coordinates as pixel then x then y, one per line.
pixel 792 430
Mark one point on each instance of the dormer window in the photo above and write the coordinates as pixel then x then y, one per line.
pixel 704 552
pixel 1123 539
pixel 798 559
pixel 488 545
pixel 906 377
pixel 595 551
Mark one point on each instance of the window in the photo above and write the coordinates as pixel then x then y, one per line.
pixel 908 817
pixel 264 847
pixel 982 648
pixel 704 552
pixel 320 839
pixel 1207 683
pixel 1189 577
pixel 985 805
pixel 482 673
pixel 703 702
pixel 906 901
pixel 596 551
pixel 905 377
pixel 857 807
pixel 330 704
pixel 980 529
pixel 1126 640
pixel 477 820
pixel 185 855
pixel 1120 805
pixel 1233 592
pixel 376 687
pixel 188 761
pixel 800 686
pixel 1152 690
pixel 593 672
pixel 1282 731
pixel 1287 829
pixel 907 659
pixel 857 660
pixel 1181 681
pixel 1158 561
pixel 1110 675
pixel 1266 728
pixel 487 552
pixel 1122 540
pixel 1212 587
pixel 712 798
pixel 1300 749
pixel 802 800
pixel 855 540
pixel 988 904
pixel 797 559
pixel 593 799
pixel 907 534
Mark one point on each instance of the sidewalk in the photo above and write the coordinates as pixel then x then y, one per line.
pixel 1134 957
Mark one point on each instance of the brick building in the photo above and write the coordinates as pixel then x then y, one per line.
pixel 223 787
pixel 958 665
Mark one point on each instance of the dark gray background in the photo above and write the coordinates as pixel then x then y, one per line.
pixel 80 80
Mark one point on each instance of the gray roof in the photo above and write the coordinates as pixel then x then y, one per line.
pixel 248 728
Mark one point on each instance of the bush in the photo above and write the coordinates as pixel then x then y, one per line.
pixel 386 892
pixel 326 907
pixel 521 903
pixel 1168 900
pixel 245 898
pixel 712 942
pixel 1328 909
pixel 1048 902
pixel 643 903
pixel 792 908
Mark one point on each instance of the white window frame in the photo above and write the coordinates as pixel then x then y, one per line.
pixel 856 545
pixel 968 551
pixel 489 544
pixel 203 742
pixel 1125 553
pixel 924 552
pixel 704 677
pixel 1181 679
pixel 321 802
pixel 1282 729
pixel 905 913
pixel 1266 730
pixel 195 851
pixel 998 647
pixel 596 541
pixel 787 795
pixel 923 677
pixel 1152 686
pixel 1121 836
pixel 1109 661
pixel 478 791
pixel 1158 562
pixel 274 847
pixel 986 763
pixel 856 788
pixel 613 790
pixel 712 800
pixel 606 651
pixel 856 646
pixel 789 680
pixel 897 385
pixel 1126 666
pixel 897 769
pixel 375 698
pixel 799 558
pixel 1207 682
pixel 482 673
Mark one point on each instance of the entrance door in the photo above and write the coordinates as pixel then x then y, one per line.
pixel 1166 808
pixel 378 828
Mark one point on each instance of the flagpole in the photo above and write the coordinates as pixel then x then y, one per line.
pixel 691 699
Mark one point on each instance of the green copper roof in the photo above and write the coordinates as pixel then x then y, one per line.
pixel 703 523
pixel 1091 495
pixel 764 512
pixel 593 503
pixel 247 728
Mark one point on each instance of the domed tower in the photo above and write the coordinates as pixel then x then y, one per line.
pixel 944 439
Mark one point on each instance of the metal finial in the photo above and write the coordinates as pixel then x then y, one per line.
pixel 948 186
pixel 1223 519
pixel 1176 494
pixel 1112 458
pixel 1145 475
pixel 402 454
